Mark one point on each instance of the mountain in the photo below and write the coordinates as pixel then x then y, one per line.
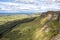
pixel 14 13
pixel 44 27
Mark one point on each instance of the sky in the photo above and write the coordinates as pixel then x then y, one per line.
pixel 28 6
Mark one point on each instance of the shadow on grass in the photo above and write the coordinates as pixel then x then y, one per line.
pixel 12 35
pixel 5 28
pixel 17 35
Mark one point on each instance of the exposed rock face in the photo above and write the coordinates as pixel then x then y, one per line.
pixel 59 18
pixel 54 15
pixel 51 15
pixel 57 37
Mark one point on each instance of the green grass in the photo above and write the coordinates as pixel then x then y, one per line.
pixel 31 30
pixel 55 24
pixel 5 19
pixel 25 31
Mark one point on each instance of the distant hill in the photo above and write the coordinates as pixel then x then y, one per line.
pixel 13 13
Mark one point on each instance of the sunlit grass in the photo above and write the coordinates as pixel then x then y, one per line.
pixel 44 20
pixel 5 19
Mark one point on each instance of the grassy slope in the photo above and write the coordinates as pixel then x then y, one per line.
pixel 5 19
pixel 31 30
pixel 25 31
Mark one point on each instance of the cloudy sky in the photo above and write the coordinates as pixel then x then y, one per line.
pixel 18 6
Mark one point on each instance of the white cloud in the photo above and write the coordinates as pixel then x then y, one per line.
pixel 26 1
pixel 50 1
pixel 9 6
pixel 17 6
pixel 36 1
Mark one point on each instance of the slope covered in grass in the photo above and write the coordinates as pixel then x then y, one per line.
pixel 25 31
pixel 4 19
pixel 38 29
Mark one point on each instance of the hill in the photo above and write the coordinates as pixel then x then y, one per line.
pixel 44 27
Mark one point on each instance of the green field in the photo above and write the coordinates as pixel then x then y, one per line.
pixel 5 19
pixel 32 29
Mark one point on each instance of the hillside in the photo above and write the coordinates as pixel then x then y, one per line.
pixel 44 27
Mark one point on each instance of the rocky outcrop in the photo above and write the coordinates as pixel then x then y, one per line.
pixel 54 15
pixel 46 32
pixel 57 37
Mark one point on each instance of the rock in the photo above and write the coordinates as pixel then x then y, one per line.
pixel 57 37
